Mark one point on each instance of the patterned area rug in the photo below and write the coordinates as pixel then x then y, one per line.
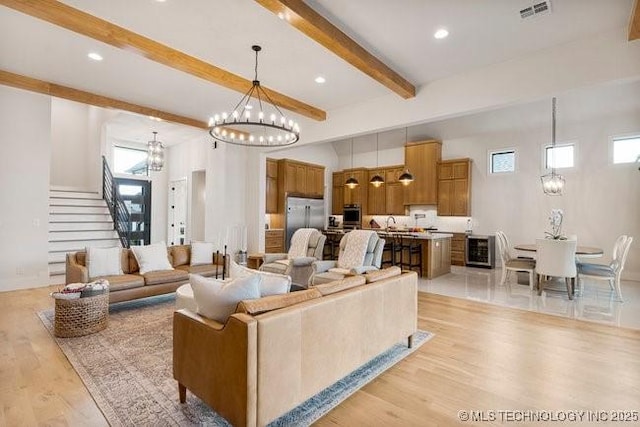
pixel 127 368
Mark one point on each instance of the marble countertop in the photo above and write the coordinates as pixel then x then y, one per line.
pixel 426 235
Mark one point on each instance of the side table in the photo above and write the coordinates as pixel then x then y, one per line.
pixel 254 261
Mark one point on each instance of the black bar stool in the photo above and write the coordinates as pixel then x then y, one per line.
pixel 396 240
pixel 412 248
pixel 387 253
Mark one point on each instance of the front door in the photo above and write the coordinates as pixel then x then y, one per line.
pixel 136 195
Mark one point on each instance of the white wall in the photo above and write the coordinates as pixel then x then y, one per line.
pixel 601 200
pixel 25 138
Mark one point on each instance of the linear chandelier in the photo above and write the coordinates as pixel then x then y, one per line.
pixel 155 154
pixel 553 183
pixel 262 128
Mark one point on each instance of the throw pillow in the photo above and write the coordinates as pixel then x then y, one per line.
pixel 272 283
pixel 152 257
pixel 201 253
pixel 103 261
pixel 217 299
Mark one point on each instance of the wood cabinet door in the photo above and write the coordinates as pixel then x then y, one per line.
pixel 422 161
pixel 445 171
pixel 301 179
pixel 272 195
pixel 445 188
pixel 460 197
pixel 290 177
pixel 315 185
pixel 272 168
pixel 460 170
pixel 337 200
pixel 394 198
pixel 376 197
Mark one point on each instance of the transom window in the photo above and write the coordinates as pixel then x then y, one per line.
pixel 130 161
pixel 502 161
pixel 560 156
pixel 626 149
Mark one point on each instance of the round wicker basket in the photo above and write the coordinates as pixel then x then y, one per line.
pixel 81 316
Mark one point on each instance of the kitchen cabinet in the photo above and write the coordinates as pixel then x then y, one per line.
pixel 458 248
pixel 454 187
pixel 337 193
pixel 358 195
pixel 304 179
pixel 376 196
pixel 436 257
pixel 421 158
pixel 274 241
pixel 388 199
pixel 272 186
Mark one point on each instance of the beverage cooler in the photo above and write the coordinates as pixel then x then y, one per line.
pixel 480 251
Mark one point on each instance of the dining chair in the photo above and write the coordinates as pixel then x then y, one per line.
pixel 610 272
pixel 556 258
pixel 513 264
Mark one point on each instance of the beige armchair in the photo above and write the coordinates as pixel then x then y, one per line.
pixel 368 243
pixel 291 263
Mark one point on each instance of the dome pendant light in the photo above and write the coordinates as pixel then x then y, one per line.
pixel 553 183
pixel 377 180
pixel 351 182
pixel 406 178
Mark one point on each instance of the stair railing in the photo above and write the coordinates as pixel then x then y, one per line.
pixel 117 208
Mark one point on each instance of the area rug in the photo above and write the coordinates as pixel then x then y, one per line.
pixel 127 369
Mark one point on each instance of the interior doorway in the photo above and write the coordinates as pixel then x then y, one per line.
pixel 198 196
pixel 177 225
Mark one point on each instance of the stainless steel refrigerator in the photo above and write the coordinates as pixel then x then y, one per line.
pixel 303 213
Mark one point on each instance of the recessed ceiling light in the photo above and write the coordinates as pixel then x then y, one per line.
pixel 95 56
pixel 441 33
pixel 320 79
pixel 249 107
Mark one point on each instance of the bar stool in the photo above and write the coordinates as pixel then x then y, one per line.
pixel 396 239
pixel 413 249
pixel 387 254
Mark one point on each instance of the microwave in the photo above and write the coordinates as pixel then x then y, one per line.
pixel 351 216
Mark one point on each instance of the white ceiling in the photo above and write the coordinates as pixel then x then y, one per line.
pixel 222 31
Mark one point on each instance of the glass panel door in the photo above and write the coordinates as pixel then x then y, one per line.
pixel 136 195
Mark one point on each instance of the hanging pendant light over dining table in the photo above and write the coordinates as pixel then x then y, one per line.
pixel 553 183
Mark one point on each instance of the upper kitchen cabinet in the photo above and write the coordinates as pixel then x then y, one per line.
pixel 454 187
pixel 337 194
pixel 388 199
pixel 359 194
pixel 421 158
pixel 304 179
pixel 272 186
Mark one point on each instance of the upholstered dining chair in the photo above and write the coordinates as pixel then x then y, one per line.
pixel 556 258
pixel 360 252
pixel 610 272
pixel 510 264
pixel 307 245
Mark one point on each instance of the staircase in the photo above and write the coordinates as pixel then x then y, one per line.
pixel 77 219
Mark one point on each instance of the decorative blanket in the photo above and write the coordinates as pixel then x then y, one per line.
pixel 355 249
pixel 300 242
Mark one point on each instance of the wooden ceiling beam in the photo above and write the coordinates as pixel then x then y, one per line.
pixel 88 25
pixel 634 22
pixel 314 25
pixel 34 85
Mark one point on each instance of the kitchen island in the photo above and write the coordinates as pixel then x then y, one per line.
pixel 434 248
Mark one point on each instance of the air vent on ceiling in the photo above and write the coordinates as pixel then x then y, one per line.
pixel 539 8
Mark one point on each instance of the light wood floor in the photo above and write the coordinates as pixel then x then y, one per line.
pixel 483 357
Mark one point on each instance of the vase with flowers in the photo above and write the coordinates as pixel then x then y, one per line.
pixel 555 219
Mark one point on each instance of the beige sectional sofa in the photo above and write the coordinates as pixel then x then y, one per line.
pixel 275 352
pixel 132 284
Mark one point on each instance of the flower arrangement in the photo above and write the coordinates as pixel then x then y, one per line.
pixel 555 219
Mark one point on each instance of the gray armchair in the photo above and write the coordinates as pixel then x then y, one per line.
pixel 300 267
pixel 327 271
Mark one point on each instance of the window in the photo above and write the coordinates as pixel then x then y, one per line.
pixel 502 161
pixel 626 149
pixel 560 156
pixel 130 161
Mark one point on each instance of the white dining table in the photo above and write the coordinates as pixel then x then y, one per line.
pixel 581 251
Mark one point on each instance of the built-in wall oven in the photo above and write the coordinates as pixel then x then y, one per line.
pixel 480 251
pixel 351 216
